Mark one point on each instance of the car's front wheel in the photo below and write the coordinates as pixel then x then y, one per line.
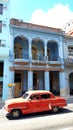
pixel 16 113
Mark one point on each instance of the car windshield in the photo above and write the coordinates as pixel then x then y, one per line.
pixel 26 95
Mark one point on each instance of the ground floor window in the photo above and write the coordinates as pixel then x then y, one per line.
pixel 1 89
pixel 1 78
pixel 71 83
pixel 1 69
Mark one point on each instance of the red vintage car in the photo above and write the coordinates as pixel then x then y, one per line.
pixel 32 102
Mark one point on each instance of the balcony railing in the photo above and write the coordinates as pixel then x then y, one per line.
pixel 69 61
pixel 23 56
pixel 40 58
pixel 43 59
pixel 54 58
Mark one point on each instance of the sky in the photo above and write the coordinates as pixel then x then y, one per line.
pixel 52 13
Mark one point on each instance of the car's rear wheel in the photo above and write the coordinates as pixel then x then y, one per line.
pixel 55 109
pixel 15 114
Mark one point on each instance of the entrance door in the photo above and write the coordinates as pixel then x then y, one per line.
pixel 17 89
pixel 35 80
pixel 18 86
pixel 54 82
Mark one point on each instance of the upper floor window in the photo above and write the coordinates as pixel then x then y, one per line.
pixel 0 43
pixel 0 26
pixel 1 69
pixel 18 50
pixel 1 8
pixel 70 50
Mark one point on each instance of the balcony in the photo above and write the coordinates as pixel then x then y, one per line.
pixel 68 62
pixel 25 59
pixel 4 52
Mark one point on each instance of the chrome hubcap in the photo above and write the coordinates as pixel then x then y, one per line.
pixel 15 114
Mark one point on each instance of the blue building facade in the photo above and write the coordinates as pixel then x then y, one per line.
pixel 33 57
pixel 4 42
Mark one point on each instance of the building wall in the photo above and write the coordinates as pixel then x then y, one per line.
pixel 4 45
pixel 68 58
pixel 45 37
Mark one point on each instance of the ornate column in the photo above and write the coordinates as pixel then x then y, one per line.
pixel 11 46
pixel 63 88
pixel 30 49
pixel 30 53
pixel 45 54
pixel 45 49
pixel 61 49
pixel 47 79
pixel 67 84
pixel 30 80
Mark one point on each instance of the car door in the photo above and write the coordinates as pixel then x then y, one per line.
pixel 33 103
pixel 45 101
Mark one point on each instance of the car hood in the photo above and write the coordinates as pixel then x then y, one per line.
pixel 15 100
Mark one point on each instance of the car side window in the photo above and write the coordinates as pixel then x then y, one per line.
pixel 34 97
pixel 45 96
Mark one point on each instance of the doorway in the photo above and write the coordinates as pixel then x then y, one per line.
pixel 35 80
pixel 54 82
pixel 18 86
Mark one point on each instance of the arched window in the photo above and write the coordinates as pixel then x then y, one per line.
pixel 18 50
pixel 34 53
pixel 48 54
pixel 52 50
pixel 37 49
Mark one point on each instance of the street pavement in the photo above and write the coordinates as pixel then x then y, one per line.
pixel 47 121
pixel 62 121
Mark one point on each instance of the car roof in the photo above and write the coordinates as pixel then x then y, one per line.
pixel 38 92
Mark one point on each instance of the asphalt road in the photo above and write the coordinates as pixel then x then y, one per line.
pixel 42 121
